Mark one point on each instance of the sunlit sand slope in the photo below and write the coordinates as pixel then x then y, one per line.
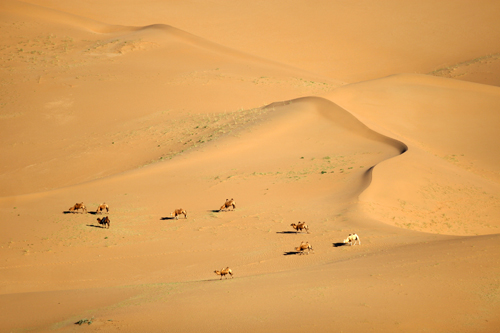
pixel 347 40
pixel 305 159
pixel 448 181
pixel 83 100
pixel 425 287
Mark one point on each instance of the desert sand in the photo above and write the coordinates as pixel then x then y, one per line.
pixel 374 118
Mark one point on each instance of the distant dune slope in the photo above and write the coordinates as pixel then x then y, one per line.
pixel 348 40
pixel 78 92
pixel 448 181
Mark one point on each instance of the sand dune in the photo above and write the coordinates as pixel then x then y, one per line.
pixel 88 102
pixel 351 42
pixel 448 181
pixel 299 113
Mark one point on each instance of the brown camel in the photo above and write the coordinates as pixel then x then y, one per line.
pixel 227 204
pixel 224 272
pixel 78 206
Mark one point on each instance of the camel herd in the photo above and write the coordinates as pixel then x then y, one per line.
pixel 352 239
pixel 105 222
pixel 81 206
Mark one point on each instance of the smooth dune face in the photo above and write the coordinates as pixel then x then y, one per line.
pixel 80 97
pixel 346 41
pixel 379 119
pixel 448 181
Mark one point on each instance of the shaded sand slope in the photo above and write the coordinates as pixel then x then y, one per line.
pixel 118 97
pixel 448 181
pixel 348 40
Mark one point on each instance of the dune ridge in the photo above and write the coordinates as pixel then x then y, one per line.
pixel 443 168
pixel 250 152
pixel 344 41
pixel 69 117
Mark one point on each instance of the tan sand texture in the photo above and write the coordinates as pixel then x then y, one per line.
pixel 374 118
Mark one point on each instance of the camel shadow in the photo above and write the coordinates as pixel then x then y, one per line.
pixel 291 253
pixel 287 232
pixel 96 226
pixel 338 244
pixel 167 218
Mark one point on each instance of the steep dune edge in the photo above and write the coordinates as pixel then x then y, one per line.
pixel 341 117
pixel 448 181
pixel 276 132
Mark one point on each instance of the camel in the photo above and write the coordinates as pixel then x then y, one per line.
pixel 102 207
pixel 352 238
pixel 304 246
pixel 229 203
pixel 223 272
pixel 300 226
pixel 104 221
pixel 78 206
pixel 178 212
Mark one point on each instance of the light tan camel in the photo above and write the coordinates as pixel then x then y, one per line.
pixel 300 226
pixel 104 221
pixel 304 246
pixel 78 206
pixel 229 203
pixel 224 272
pixel 352 238
pixel 178 212
pixel 102 207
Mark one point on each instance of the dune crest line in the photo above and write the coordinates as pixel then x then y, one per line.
pixel 343 118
